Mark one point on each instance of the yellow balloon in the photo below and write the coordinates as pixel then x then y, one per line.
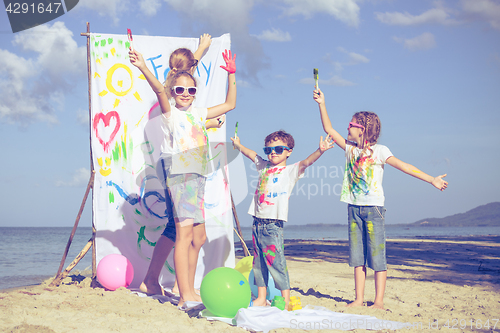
pixel 244 266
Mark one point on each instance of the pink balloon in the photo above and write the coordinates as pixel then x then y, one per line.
pixel 115 271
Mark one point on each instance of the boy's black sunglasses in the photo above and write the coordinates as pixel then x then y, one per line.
pixel 278 149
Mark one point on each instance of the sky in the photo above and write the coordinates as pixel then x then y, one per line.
pixel 429 69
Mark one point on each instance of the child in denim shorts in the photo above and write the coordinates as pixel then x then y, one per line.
pixel 269 208
pixel 362 191
pixel 189 147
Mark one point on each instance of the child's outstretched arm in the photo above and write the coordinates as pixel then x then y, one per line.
pixel 319 97
pixel 205 41
pixel 138 61
pixel 230 103
pixel 324 145
pixel 215 122
pixel 244 150
pixel 438 182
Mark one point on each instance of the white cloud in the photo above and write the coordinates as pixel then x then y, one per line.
pixel 483 10
pixel 423 42
pixel 346 11
pixel 243 84
pixel 111 8
pixel 58 53
pixel 338 66
pixel 82 118
pixel 149 7
pixel 222 16
pixel 31 89
pixel 275 35
pixel 439 15
pixel 80 178
pixel 354 58
pixel 336 80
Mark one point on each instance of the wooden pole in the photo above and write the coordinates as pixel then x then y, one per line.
pixel 89 77
pixel 57 281
pixel 82 206
pixel 240 234
pixel 91 243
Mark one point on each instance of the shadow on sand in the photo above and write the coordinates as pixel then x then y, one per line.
pixel 456 260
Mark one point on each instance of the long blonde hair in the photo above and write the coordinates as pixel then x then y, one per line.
pixel 181 60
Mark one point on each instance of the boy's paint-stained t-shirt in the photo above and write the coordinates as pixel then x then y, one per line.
pixel 363 175
pixel 189 140
pixel 273 189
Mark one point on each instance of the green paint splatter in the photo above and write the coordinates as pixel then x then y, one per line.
pixel 116 152
pixel 138 212
pixel 148 147
pixel 105 54
pixel 124 149
pixel 142 237
pixel 170 269
pixel 111 197
pixel 103 42
pixel 96 44
pixel 127 45
pixel 110 40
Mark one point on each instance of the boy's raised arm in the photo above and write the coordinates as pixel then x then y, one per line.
pixel 138 61
pixel 230 102
pixel 324 145
pixel 319 97
pixel 438 182
pixel 244 150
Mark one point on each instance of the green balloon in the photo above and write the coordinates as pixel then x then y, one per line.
pixel 224 291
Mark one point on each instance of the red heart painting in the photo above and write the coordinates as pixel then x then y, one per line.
pixel 106 120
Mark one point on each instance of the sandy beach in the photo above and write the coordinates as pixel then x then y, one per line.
pixel 452 284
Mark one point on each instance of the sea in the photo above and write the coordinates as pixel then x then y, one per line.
pixel 29 256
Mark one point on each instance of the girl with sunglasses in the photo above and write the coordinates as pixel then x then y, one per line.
pixel 180 60
pixel 269 208
pixel 362 191
pixel 187 140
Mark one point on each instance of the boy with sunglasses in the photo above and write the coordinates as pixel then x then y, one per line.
pixel 269 208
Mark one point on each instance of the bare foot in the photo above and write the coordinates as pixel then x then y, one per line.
pixel 354 304
pixel 187 298
pixel 377 306
pixel 259 302
pixel 151 289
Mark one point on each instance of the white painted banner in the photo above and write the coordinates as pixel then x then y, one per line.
pixel 128 198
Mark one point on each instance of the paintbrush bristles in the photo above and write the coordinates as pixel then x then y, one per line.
pixel 315 72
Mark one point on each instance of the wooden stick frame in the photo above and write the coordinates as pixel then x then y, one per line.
pixel 91 243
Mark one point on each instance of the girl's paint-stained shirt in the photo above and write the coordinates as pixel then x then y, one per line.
pixel 363 175
pixel 189 140
pixel 273 190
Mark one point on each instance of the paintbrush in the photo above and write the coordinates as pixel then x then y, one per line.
pixel 236 130
pixel 130 39
pixel 316 77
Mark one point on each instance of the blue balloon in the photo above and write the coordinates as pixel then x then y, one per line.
pixel 271 287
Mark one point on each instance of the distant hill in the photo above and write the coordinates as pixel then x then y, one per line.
pixel 482 216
